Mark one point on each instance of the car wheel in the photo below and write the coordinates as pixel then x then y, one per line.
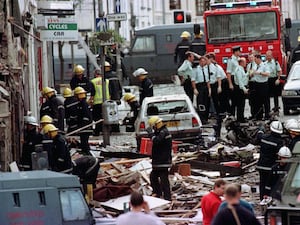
pixel 286 110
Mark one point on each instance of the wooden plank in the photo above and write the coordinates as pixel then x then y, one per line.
pixel 123 161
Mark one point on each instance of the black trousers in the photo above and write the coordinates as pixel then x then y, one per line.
pixel 160 184
pixel 261 103
pixel 202 101
pixel 187 86
pixel 84 142
pixel 97 115
pixel 232 96
pixel 240 104
pixel 215 97
pixel 224 97
pixel 251 97
pixel 274 91
pixel 264 181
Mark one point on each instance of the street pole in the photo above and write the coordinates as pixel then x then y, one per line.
pixel 118 57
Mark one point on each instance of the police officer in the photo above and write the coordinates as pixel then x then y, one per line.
pixel 185 72
pixel 161 158
pixel 274 79
pixel 182 47
pixel 146 88
pixel 241 82
pixel 96 99
pixel 60 158
pixel 134 108
pixel 31 139
pixel 251 66
pixel 79 80
pixel 84 118
pixel 269 147
pixel 296 52
pixel 70 105
pixel 260 77
pixel 201 87
pixel 232 64
pixel 55 108
pixel 198 45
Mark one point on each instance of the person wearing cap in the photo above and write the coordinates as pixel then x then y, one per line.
pixel 84 118
pixel 115 88
pixel 146 87
pixel 261 86
pixel 70 105
pixel 279 171
pixel 293 128
pixel 31 139
pixel 274 79
pixel 241 89
pixel 201 87
pixel 296 53
pixel 181 48
pixel 232 64
pixel 60 159
pixel 161 157
pixel 79 80
pixel 269 147
pixel 97 99
pixel 185 72
pixel 198 44
pixel 53 107
pixel 134 109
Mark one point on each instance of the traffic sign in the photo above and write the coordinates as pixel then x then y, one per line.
pixel 118 6
pixel 116 17
pixel 101 24
pixel 60 29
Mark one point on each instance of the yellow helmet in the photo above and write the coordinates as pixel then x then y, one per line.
pixel 67 92
pixel 49 128
pixel 128 97
pixel 47 90
pixel 46 119
pixel 79 90
pixel 78 69
pixel 154 120
pixel 185 34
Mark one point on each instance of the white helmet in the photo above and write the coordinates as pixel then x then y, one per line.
pixel 276 127
pixel 284 152
pixel 292 125
pixel 140 71
pixel 31 120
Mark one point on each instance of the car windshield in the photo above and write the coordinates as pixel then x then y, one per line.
pixel 241 27
pixel 167 107
pixel 295 72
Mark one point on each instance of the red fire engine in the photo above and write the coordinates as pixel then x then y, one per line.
pixel 253 25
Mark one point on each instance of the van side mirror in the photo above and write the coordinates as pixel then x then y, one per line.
pixel 288 23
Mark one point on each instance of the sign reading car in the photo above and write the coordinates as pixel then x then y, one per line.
pixel 60 29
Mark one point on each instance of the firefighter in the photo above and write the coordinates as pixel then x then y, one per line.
pixel 232 64
pixel 293 127
pixel 60 159
pixel 296 52
pixel 269 147
pixel 161 158
pixel 185 72
pixel 70 105
pixel 79 80
pixel 55 108
pixel 146 88
pixel 279 171
pixel 241 89
pixel 260 78
pixel 31 139
pixel 84 118
pixel 198 45
pixel 274 79
pixel 96 99
pixel 201 87
pixel 134 108
pixel 182 47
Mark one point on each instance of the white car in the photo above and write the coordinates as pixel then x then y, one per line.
pixel 291 90
pixel 176 111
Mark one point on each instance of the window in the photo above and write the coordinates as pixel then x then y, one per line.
pixel 144 44
pixel 175 4
pixel 167 107
pixel 200 5
pixel 73 205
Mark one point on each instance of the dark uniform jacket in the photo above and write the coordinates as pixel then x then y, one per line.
pixel 198 46
pixel 71 116
pixel 269 147
pixel 47 143
pixel 31 139
pixel 180 50
pixel 83 82
pixel 61 154
pixel 86 168
pixel 162 148
pixel 57 112
pixel 84 116
pixel 134 107
pixel 45 109
pixel 146 89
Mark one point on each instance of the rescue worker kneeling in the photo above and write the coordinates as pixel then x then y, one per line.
pixel 161 157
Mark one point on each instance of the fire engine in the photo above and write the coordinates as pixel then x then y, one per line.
pixel 253 25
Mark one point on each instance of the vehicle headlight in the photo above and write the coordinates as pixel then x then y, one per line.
pixel 289 93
